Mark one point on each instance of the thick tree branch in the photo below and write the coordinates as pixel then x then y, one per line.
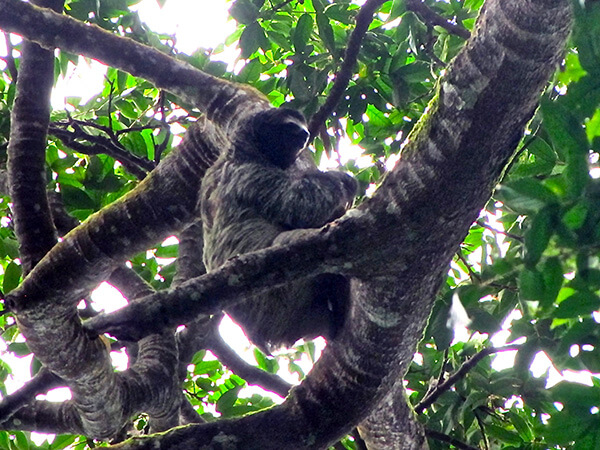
pixel 42 382
pixel 27 151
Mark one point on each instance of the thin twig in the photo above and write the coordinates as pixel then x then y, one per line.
pixel 281 5
pixel 248 372
pixel 163 119
pixel 474 276
pixel 342 78
pixel 109 106
pixel 448 439
pixel 427 401
pixel 100 144
pixel 480 423
pixel 432 18
pixel 516 237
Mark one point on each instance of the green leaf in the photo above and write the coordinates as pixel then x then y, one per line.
pixel 227 400
pixel 579 304
pixel 326 32
pixel 526 195
pixel 564 129
pixel 21 442
pixel 575 216
pixel 128 109
pixel 244 11
pixel 397 9
pixel 302 32
pixel 12 277
pixel 437 326
pixel 576 174
pixel 575 394
pixel 168 251
pixel 377 118
pixel 591 360
pixel 483 321
pixel 415 72
pixel 563 428
pixel 553 280
pixel 205 384
pixel 62 441
pixel 531 285
pixel 206 367
pixel 504 435
pixel 267 364
pixel 538 236
pixel 252 38
pixel 19 348
pixel 76 198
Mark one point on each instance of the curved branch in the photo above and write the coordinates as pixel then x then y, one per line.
pixel 253 375
pixel 42 382
pixel 27 151
pixel 449 440
pixel 342 78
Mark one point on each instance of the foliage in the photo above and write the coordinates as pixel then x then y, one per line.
pixel 528 271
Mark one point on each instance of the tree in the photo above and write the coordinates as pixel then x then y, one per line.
pixel 536 262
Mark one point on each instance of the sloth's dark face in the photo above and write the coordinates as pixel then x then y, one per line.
pixel 281 134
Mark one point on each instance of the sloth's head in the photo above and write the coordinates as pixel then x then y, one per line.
pixel 279 134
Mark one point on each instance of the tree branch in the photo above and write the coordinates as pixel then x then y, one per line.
pixel 253 375
pixel 432 18
pixel 27 151
pixel 42 382
pixel 363 20
pixel 458 375
pixel 448 439
pixel 110 146
pixel 516 237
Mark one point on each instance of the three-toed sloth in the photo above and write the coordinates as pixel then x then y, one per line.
pixel 253 197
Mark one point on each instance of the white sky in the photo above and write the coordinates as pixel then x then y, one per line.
pixel 205 23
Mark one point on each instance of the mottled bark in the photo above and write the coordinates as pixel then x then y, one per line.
pixel 392 425
pixel 27 150
pixel 102 400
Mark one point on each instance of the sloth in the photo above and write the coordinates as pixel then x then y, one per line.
pixel 259 193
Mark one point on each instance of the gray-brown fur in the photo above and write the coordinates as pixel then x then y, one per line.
pixel 255 194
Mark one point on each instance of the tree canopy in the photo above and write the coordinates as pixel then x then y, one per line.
pixel 479 127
